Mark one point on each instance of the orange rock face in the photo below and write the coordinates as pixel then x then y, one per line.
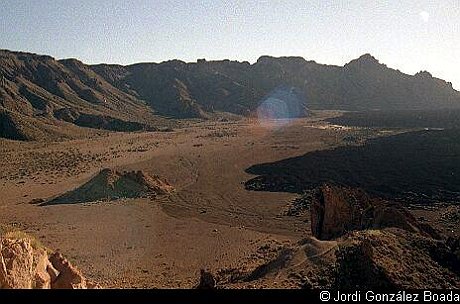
pixel 24 267
pixel 336 210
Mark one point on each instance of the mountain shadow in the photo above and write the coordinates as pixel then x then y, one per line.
pixel 419 167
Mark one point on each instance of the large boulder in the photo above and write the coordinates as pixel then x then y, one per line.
pixel 68 277
pixel 336 210
pixel 24 265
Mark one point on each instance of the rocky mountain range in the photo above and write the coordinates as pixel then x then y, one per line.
pixel 184 89
pixel 41 97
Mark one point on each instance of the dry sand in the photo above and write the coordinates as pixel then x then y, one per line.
pixel 209 221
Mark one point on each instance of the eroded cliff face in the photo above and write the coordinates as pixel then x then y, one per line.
pixel 336 210
pixel 25 266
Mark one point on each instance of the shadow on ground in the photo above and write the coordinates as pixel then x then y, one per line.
pixel 422 165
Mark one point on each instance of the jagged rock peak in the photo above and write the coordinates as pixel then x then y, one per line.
pixel 365 60
pixel 424 74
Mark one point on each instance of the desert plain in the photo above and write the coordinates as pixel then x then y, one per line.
pixel 209 221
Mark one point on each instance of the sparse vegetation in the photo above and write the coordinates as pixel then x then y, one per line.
pixel 11 231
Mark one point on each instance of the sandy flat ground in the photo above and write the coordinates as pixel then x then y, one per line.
pixel 210 221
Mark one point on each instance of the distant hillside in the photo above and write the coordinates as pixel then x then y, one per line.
pixel 41 97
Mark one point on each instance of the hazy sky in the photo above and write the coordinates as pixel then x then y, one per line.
pixel 407 35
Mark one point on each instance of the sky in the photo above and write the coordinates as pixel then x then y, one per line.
pixel 407 35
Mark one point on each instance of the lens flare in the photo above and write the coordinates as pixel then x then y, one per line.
pixel 280 107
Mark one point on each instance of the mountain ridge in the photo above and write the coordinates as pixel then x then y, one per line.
pixel 40 91
pixel 326 86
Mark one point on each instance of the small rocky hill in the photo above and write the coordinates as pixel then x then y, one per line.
pixel 110 185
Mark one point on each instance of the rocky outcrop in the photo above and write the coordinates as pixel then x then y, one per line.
pixel 25 266
pixel 359 242
pixel 68 277
pixel 356 267
pixel 394 258
pixel 335 210
pixel 110 185
pixel 388 258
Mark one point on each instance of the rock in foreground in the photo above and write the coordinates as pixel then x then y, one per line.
pixel 359 242
pixel 24 266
